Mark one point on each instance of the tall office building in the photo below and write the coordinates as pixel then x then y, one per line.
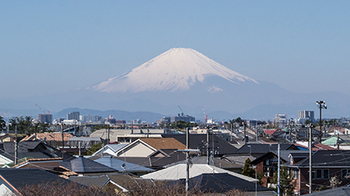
pixel 306 115
pixel 45 118
pixel 73 116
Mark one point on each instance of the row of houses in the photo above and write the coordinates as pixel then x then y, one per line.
pixel 160 157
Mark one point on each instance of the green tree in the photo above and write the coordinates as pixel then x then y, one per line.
pixel 94 148
pixel 182 124
pixel 248 169
pixel 2 123
pixel 287 184
pixel 24 124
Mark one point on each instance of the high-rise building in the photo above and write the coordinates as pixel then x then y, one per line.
pixel 73 116
pixel 182 117
pixel 306 115
pixel 90 118
pixel 280 119
pixel 45 118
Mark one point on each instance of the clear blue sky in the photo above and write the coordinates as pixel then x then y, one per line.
pixel 54 46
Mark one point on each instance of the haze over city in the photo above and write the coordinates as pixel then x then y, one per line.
pixel 57 47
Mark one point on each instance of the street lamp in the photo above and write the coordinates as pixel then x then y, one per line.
pixel 321 105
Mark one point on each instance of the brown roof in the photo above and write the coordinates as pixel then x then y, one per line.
pixel 48 136
pixel 317 147
pixel 164 143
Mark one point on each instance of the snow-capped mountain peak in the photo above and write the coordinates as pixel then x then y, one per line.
pixel 175 69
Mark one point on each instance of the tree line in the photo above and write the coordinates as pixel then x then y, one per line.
pixel 24 125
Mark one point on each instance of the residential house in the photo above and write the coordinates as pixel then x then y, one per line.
pixel 144 147
pixel 325 164
pixel 26 149
pixel 339 191
pixel 218 146
pixel 118 184
pixel 53 139
pixel 304 145
pixel 85 142
pixel 5 137
pixel 216 161
pixel 238 160
pixel 83 166
pixel 257 150
pixel 110 149
pixel 127 135
pixel 12 180
pixel 224 182
pixel 158 159
pixel 123 166
pixel 267 164
pixel 178 172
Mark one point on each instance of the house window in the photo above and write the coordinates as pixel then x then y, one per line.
pixel 345 173
pixel 319 174
pixel 325 173
pixel 295 174
pixel 322 174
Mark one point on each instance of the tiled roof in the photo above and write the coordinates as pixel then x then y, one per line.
pixel 83 165
pixel 316 147
pixel 56 136
pixel 21 155
pixel 223 182
pixel 121 165
pixel 155 161
pixel 99 181
pixel 22 177
pixel 164 143
pixel 178 171
pixel 198 141
pixel 324 158
pixel 221 163
pixel 263 148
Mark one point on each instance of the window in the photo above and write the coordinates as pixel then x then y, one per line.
pixel 345 173
pixel 326 174
pixel 295 174
pixel 319 174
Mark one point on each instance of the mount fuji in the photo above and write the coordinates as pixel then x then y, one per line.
pixel 175 70
pixel 186 78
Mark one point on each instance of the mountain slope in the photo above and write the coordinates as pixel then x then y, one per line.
pixel 175 69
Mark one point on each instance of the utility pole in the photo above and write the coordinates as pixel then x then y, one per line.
pixel 208 146
pixel 187 151
pixel 279 170
pixel 108 134
pixel 310 159
pixel 16 145
pixel 338 141
pixel 79 146
pixel 147 131
pixel 62 136
pixel 187 160
pixel 321 105
pixel 245 133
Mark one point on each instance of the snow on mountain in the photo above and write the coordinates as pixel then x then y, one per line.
pixel 175 69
